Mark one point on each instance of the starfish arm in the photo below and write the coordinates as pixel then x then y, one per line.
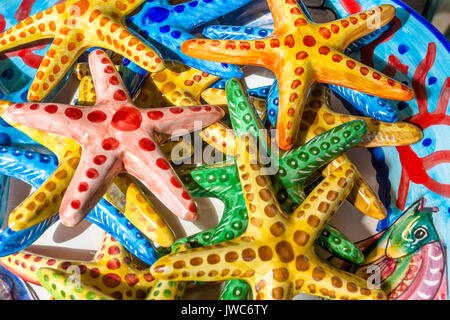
pixel 319 206
pixel 127 6
pixel 56 64
pixel 177 121
pixel 355 75
pixel 14 241
pixel 235 32
pixel 287 10
pixel 250 52
pixel 63 286
pixel 49 117
pixel 106 79
pixel 150 96
pixel 214 68
pixel 167 289
pixel 93 177
pixel 361 196
pixel 299 164
pixel 163 182
pixel 329 282
pixel 112 221
pixel 180 84
pixel 28 166
pixel 357 26
pixel 142 214
pixel 86 91
pixel 126 44
pixel 294 86
pixel 370 106
pixel 31 29
pixel 211 263
pixel 45 201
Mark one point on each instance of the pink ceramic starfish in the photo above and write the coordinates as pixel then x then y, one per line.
pixel 115 136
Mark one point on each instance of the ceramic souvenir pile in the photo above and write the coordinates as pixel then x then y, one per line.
pixel 107 105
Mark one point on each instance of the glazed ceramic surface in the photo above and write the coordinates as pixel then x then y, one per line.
pixel 296 43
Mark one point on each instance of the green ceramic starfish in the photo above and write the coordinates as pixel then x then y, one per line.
pixel 222 181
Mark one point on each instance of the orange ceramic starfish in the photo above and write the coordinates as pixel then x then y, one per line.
pixel 77 25
pixel 300 53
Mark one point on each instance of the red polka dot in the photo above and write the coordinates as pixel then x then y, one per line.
pixel 111 280
pixel 146 144
pixel 309 41
pixel 195 109
pixel 176 110
pixel 96 116
pixel 300 22
pixel 83 186
pixel 37 259
pixel 24 265
pixel 92 173
pixel 114 81
pixel 391 82
pixel 73 113
pixel 351 64
pixel 192 207
pixel 244 45
pixel 155 115
pixel 207 108
pixel 19 105
pixel 75 204
pixel 109 69
pixel 337 58
pixel 162 164
pixel 274 43
pixel 131 279
pixel 185 195
pixel 376 76
pixel 364 71
pixel 105 60
pixel 27 256
pixel 82 268
pixel 95 272
pixel 127 119
pixel 117 295
pixel 324 50
pixel 113 264
pixel 230 45
pixel 260 45
pixel 34 106
pixel 110 144
pixel 51 108
pixel 119 95
pixel 112 250
pixel 334 28
pixel 65 265
pixel 174 181
pixel 325 33
pixel 289 41
pixel 299 71
pixel 51 262
pixel 301 55
pixel 99 160
pixel 345 23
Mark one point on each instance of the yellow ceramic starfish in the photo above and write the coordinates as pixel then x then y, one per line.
pixel 76 25
pixel 318 118
pixel 113 274
pixel 275 254
pixel 300 53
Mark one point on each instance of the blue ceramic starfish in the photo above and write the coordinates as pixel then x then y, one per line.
pixel 365 104
pixel 34 168
pixel 168 26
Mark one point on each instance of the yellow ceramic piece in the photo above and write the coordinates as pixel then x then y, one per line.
pixel 177 85
pixel 318 118
pixel 219 96
pixel 86 90
pixel 144 216
pixel 113 273
pixel 275 255
pixel 301 52
pixel 76 25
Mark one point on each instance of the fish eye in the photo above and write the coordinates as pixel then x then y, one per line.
pixel 420 233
